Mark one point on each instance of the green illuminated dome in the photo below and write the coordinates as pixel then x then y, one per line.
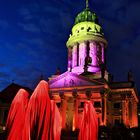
pixel 86 28
pixel 86 15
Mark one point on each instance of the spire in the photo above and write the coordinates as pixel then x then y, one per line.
pixel 87 6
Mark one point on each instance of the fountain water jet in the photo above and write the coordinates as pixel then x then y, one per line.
pixel 16 115
pixel 89 124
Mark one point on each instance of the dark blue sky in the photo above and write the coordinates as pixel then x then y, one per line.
pixel 33 34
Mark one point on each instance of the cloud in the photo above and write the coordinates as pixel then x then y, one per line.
pixel 30 27
pixel 36 41
pixel 29 11
pixel 24 11
pixel 120 22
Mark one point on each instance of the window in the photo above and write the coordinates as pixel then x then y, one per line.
pixel 58 105
pixel 88 29
pixel 82 28
pixel 88 93
pixel 97 104
pixel 81 105
pixel 117 105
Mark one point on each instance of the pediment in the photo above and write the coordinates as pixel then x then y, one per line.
pixel 69 79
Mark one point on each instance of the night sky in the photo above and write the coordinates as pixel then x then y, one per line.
pixel 33 34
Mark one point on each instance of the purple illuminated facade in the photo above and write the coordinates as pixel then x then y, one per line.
pixel 86 55
pixel 87 79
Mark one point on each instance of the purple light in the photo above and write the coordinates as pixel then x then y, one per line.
pixel 93 53
pixel 74 56
pixel 103 54
pixel 82 54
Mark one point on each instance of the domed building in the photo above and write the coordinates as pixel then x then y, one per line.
pixel 87 78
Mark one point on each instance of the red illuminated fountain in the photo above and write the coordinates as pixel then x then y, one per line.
pixel 15 120
pixel 89 124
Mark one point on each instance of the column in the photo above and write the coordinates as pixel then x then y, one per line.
pixel 135 115
pixel 77 54
pixel 75 117
pixel 99 54
pixel 127 111
pixel 86 64
pixel 69 58
pixel 104 109
pixel 93 53
pixel 130 112
pixel 69 113
pixel 63 109
pixel 103 52
pixel 124 112
pixel 74 56
pixel 82 54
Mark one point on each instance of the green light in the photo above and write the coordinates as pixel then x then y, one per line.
pixel 86 15
pixel 87 4
pixel 86 31
pixel 86 28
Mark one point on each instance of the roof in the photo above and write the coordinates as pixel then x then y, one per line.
pixel 8 94
pixel 70 79
pixel 117 85
pixel 86 15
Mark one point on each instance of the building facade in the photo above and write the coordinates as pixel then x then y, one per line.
pixel 87 79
